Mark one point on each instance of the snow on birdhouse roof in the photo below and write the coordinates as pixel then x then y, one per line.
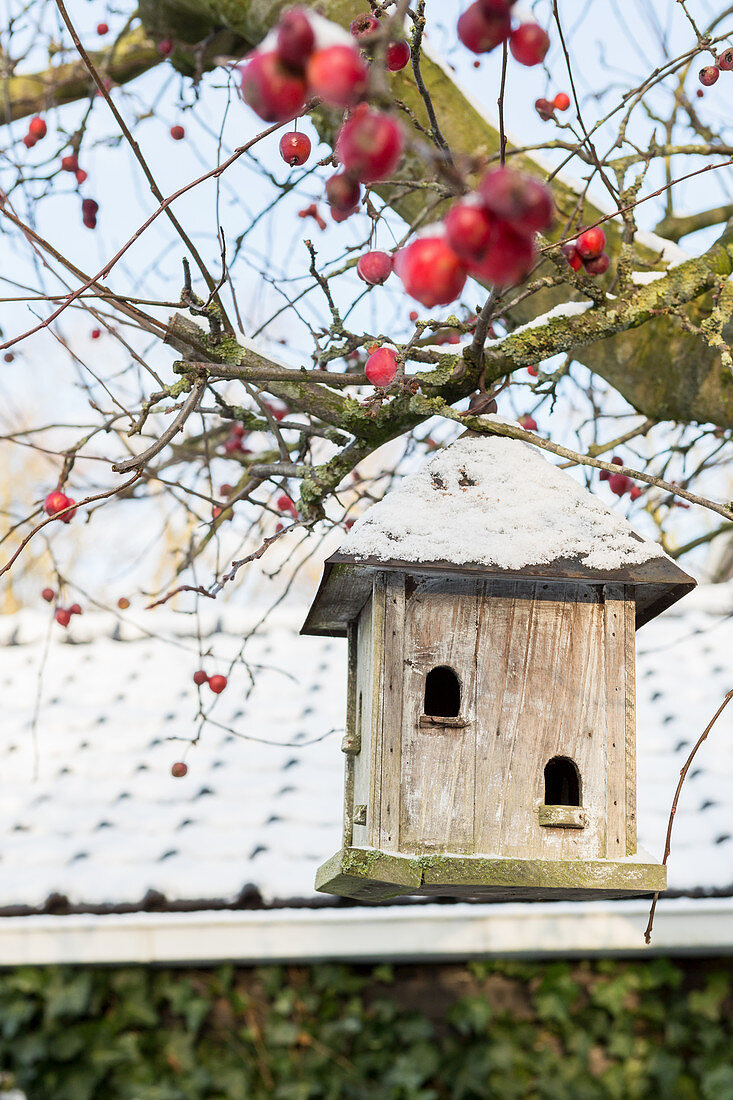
pixel 492 504
pixel 93 819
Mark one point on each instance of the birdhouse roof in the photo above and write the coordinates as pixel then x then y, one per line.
pixel 494 505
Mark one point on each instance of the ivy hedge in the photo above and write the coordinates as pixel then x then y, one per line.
pixel 504 1030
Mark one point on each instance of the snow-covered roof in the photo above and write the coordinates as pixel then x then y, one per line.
pixel 91 817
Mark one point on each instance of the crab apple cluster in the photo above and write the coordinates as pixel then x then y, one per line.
pixel 369 147
pixel 381 366
pixel 709 74
pixel 374 268
pixel 365 28
pixel 303 64
pixel 587 251
pixel 217 682
pixel 620 484
pixel 546 108
pixel 234 442
pixel 37 130
pixel 70 163
pixel 488 23
pixel 63 615
pixel 488 234
pixel 58 502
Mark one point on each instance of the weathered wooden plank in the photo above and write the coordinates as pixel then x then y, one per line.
pixel 438 761
pixel 363 718
pixel 390 728
pixel 376 659
pixel 616 703
pixel 630 724
pixel 350 744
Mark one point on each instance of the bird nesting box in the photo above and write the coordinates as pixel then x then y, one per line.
pixel 490 604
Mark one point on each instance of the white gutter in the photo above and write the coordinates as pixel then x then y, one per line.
pixel 426 933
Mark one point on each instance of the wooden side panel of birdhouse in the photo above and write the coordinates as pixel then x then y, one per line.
pixel 551 684
pixel 437 766
pixel 367 686
pixel 389 598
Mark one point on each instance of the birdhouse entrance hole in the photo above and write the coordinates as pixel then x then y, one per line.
pixel 442 693
pixel 562 782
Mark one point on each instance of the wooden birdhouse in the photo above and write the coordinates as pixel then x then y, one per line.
pixel 490 604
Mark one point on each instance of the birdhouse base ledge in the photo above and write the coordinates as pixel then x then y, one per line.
pixel 369 874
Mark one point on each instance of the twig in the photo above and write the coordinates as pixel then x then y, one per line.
pixel 675 800
pixel 140 460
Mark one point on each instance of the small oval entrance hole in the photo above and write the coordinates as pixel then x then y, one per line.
pixel 442 693
pixel 562 782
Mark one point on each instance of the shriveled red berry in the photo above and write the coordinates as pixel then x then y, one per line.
pixel 529 43
pixel 522 201
pixel 338 75
pixel 364 25
pixel 295 38
pixel 80 175
pixel 102 28
pixel 199 677
pixel 343 194
pixel 572 255
pixel 528 422
pixel 591 243
pixel 48 595
pixel 295 148
pixel 431 271
pixel 70 162
pixel 273 91
pixel 29 141
pixel 62 615
pixel 414 315
pixel 708 75
pixel 96 333
pixel 217 683
pixel 179 769
pixel 56 502
pixel 75 609
pixel 165 47
pixel 468 229
pixel 509 257
pixel 89 208
pixel 725 61
pixel 598 265
pixel 480 31
pixel 634 492
pixel 561 102
pixel 37 127
pixel 544 109
pixel 374 268
pixel 178 133
pixel 381 366
pixel 398 54
pixel 369 144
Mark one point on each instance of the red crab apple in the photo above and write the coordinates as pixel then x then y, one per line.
pixel 273 91
pixel 75 609
pixel 591 243
pixel 398 54
pixel 338 75
pixel 123 603
pixel 572 255
pixel 374 268
pixel 89 208
pixel 37 127
pixel 217 683
pixel 178 133
pixel 529 44
pixel 369 144
pixel 561 102
pixel 605 474
pixel 598 264
pixel 295 148
pixel 56 502
pixel 29 141
pixel 634 492
pixel 544 109
pixel 725 61
pixel 179 769
pixel 619 484
pixel 381 366
pixel 343 194
pixel 496 7
pixel 364 25
pixel 528 423
pixel 199 677
pixel 708 75
pixel 522 201
pixel 102 28
pixel 165 47
pixel 509 257
pixel 295 38
pixel 62 615
pixel 48 595
pixel 431 271
pixel 468 229
pixel 69 163
pixel 481 31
